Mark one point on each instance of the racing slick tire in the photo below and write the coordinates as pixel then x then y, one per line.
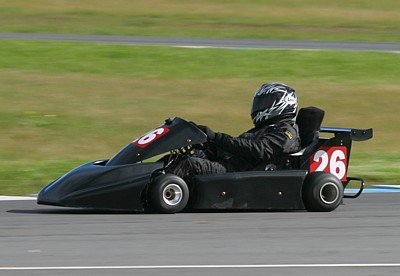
pixel 322 192
pixel 168 194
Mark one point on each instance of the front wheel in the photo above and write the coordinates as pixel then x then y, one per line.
pixel 168 194
pixel 322 192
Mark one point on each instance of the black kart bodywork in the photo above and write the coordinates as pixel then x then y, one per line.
pixel 314 180
pixel 120 182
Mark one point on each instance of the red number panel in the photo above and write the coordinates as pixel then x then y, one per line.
pixel 150 137
pixel 330 159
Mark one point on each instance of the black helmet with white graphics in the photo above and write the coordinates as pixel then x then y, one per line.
pixel 273 102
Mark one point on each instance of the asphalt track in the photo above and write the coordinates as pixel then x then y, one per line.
pixel 213 42
pixel 361 237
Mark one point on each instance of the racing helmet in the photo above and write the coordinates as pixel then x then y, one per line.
pixel 273 102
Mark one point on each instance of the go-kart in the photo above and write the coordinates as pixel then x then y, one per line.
pixel 314 178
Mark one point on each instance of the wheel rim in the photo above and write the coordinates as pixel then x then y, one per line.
pixel 329 193
pixel 172 194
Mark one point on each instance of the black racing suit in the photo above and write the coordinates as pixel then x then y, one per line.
pixel 262 146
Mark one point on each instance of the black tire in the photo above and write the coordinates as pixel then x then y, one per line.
pixel 322 192
pixel 168 194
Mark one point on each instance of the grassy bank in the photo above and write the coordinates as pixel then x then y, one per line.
pixel 62 104
pixel 352 20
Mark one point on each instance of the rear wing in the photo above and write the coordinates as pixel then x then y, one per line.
pixel 355 133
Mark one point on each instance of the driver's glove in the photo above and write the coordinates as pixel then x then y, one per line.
pixel 208 131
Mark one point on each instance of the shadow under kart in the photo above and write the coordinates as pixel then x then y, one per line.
pixel 314 180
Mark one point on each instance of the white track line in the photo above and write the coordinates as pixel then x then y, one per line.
pixel 6 198
pixel 147 267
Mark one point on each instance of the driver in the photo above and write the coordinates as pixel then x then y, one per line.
pixel 263 147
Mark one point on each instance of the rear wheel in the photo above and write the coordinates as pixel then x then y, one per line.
pixel 168 194
pixel 322 192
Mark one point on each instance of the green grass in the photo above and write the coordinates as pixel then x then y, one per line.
pixel 353 20
pixel 376 167
pixel 62 104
